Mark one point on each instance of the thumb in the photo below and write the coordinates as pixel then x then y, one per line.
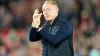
pixel 40 14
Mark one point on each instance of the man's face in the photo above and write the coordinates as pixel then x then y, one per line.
pixel 50 11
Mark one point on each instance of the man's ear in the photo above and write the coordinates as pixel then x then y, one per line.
pixel 57 9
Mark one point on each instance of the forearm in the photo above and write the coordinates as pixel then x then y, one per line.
pixel 60 35
pixel 34 35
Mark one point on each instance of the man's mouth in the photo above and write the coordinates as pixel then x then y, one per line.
pixel 46 16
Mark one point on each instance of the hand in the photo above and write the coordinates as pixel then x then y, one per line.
pixel 36 18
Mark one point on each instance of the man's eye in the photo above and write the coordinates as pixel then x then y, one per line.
pixel 43 10
pixel 48 9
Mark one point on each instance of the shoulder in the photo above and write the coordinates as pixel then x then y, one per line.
pixel 65 22
pixel 66 25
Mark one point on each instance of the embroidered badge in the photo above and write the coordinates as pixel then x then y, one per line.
pixel 53 30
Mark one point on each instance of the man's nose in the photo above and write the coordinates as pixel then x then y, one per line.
pixel 45 13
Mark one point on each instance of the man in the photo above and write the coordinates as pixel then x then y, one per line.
pixel 55 34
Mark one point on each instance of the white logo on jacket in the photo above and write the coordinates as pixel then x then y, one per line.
pixel 53 30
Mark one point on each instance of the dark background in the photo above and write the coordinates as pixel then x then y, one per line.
pixel 16 19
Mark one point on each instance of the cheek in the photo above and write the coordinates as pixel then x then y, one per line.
pixel 53 12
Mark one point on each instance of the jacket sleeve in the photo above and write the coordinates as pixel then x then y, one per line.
pixel 60 35
pixel 34 35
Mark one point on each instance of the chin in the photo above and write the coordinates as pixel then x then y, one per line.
pixel 47 19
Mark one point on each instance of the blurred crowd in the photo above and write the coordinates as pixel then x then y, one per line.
pixel 16 18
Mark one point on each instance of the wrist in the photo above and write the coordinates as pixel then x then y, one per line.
pixel 39 28
pixel 34 26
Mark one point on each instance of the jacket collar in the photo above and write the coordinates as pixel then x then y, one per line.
pixel 55 20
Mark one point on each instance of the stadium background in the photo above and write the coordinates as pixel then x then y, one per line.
pixel 16 18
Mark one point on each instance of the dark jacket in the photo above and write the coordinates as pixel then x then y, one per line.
pixel 57 39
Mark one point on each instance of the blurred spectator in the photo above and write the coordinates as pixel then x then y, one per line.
pixel 2 48
pixel 16 18
pixel 96 47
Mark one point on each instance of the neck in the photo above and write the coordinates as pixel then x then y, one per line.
pixel 53 20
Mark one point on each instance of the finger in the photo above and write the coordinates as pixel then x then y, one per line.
pixel 40 13
pixel 37 16
pixel 36 11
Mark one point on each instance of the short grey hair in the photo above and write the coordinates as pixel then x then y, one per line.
pixel 53 2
